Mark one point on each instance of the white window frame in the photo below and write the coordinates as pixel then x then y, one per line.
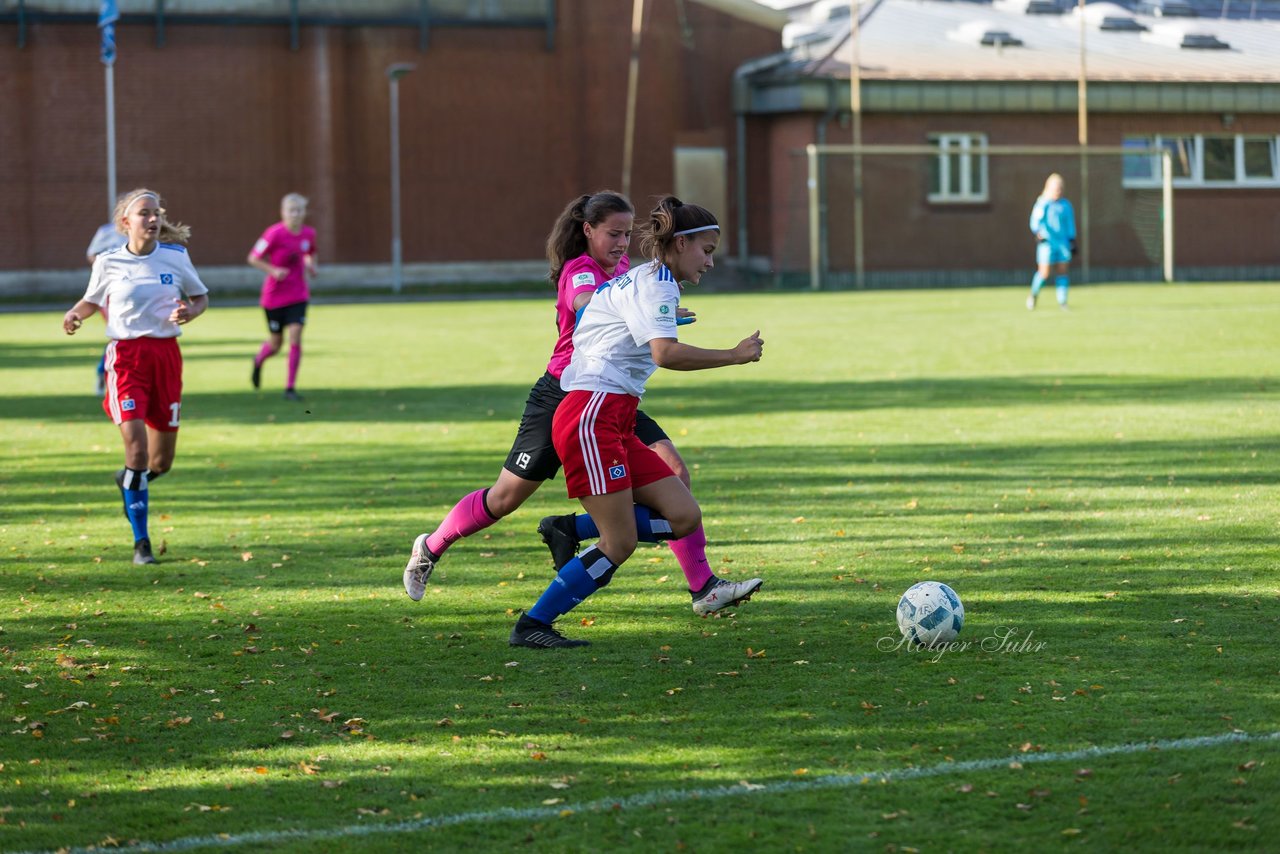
pixel 966 143
pixel 1196 178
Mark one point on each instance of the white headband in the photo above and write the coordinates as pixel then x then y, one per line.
pixel 696 230
pixel 134 200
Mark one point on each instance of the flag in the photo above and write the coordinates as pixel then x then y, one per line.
pixel 108 14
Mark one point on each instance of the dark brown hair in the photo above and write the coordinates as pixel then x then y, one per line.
pixel 671 216
pixel 567 239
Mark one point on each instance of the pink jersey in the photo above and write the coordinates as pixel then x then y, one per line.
pixel 280 247
pixel 582 275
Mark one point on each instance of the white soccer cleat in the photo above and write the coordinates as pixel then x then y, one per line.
pixel 418 570
pixel 725 593
pixel 1031 303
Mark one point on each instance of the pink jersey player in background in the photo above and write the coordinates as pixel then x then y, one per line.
pixel 286 253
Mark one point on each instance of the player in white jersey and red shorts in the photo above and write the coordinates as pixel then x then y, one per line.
pixel 626 332
pixel 586 247
pixel 146 289
pixel 286 253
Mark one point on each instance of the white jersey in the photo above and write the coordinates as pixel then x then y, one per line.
pixel 611 342
pixel 139 292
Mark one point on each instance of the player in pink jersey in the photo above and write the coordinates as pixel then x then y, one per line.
pixel 286 253
pixel 587 246
pixel 626 332
pixel 146 289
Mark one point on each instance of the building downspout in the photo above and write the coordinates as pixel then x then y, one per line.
pixel 741 107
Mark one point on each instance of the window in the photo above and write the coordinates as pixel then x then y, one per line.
pixel 959 172
pixel 1205 160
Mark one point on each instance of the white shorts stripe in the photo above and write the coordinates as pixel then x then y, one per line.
pixel 590 448
pixel 113 395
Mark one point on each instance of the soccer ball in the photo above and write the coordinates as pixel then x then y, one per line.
pixel 930 613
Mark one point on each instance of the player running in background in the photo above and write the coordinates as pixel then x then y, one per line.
pixel 1053 222
pixel 286 253
pixel 146 289
pixel 587 246
pixel 106 237
pixel 626 332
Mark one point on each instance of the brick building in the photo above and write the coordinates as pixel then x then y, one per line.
pixel 514 107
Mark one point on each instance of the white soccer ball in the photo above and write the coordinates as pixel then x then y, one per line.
pixel 930 613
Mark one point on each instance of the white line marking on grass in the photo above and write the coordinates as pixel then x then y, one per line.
pixel 668 796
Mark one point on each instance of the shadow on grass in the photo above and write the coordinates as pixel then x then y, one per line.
pixel 504 402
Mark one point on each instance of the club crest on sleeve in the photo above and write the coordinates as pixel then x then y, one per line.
pixel 617 471
pixel 129 404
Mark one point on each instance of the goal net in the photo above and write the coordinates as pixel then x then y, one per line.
pixel 956 212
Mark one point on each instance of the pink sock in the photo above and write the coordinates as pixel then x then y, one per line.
pixel 263 354
pixel 691 552
pixel 466 517
pixel 295 358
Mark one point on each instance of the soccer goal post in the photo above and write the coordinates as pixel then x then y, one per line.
pixel 956 212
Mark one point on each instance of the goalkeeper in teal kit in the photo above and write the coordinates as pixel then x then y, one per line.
pixel 1053 222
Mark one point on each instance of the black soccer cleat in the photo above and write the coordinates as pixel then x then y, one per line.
pixel 142 552
pixel 560 534
pixel 256 376
pixel 537 635
pixel 290 394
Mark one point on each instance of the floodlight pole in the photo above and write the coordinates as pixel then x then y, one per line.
pixel 855 111
pixel 394 73
pixel 1082 120
pixel 633 86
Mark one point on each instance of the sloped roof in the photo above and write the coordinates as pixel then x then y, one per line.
pixel 933 40
pixel 748 10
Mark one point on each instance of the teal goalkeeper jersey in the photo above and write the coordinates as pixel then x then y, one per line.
pixel 1054 221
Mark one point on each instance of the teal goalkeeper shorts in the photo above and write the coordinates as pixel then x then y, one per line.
pixel 1049 252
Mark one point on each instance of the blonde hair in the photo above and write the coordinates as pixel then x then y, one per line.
pixel 1048 182
pixel 170 232
pixel 294 197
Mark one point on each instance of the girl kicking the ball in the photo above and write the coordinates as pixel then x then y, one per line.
pixel 626 332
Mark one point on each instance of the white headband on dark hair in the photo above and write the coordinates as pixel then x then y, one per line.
pixel 696 230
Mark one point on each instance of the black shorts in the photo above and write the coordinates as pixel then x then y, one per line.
pixel 286 315
pixel 533 456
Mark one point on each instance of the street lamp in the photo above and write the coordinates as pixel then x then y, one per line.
pixel 394 73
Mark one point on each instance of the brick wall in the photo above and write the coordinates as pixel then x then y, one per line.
pixel 497 133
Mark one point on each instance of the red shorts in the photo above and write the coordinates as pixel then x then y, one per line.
pixel 144 380
pixel 595 436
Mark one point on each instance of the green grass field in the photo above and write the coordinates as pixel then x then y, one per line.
pixel 1100 487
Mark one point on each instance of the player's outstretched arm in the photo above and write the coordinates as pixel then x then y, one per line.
pixel 78 314
pixel 677 356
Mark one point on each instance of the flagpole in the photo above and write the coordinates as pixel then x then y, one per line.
pixel 108 14
pixel 111 139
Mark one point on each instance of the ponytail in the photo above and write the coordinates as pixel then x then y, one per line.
pixel 670 219
pixel 568 239
pixel 169 232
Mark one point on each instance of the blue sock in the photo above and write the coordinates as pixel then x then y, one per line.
pixel 1037 282
pixel 135 502
pixel 1060 284
pixel 650 528
pixel 586 526
pixel 570 586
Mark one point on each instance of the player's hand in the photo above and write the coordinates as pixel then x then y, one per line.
pixel 181 314
pixel 71 322
pixel 750 349
pixel 278 273
pixel 684 317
